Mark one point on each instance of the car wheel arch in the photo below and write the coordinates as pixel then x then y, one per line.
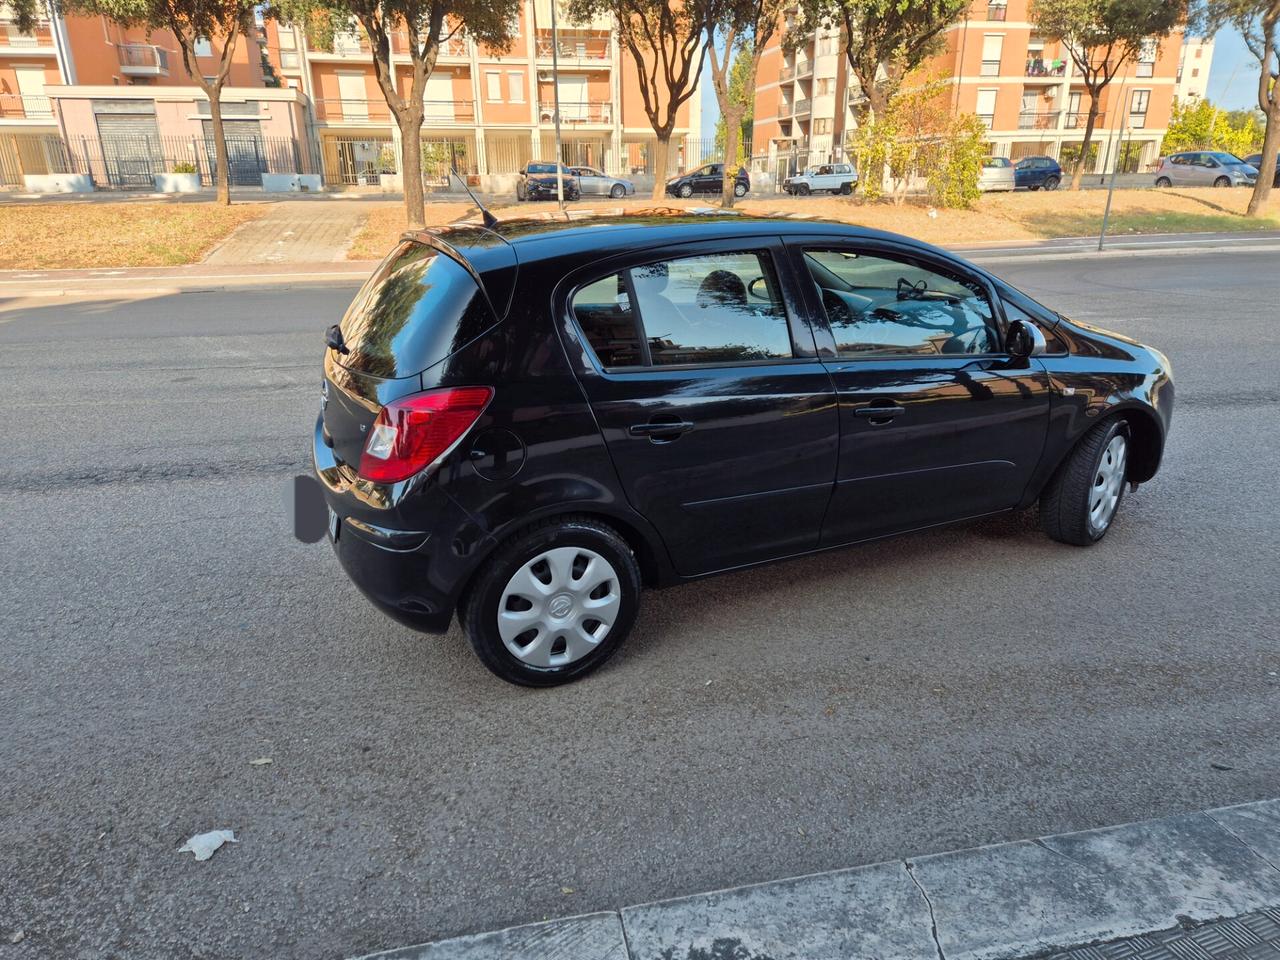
pixel 1146 438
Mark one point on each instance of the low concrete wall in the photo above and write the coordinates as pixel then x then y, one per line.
pixel 177 182
pixel 291 183
pixel 58 182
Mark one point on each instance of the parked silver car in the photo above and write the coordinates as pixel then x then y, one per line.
pixel 836 177
pixel 1205 168
pixel 997 174
pixel 592 182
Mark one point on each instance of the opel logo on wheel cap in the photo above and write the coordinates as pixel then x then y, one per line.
pixel 561 606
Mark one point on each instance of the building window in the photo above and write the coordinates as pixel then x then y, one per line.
pixel 986 107
pixel 992 45
pixel 1147 58
pixel 287 40
pixel 202 47
pixel 1195 72
pixel 1138 109
pixel 493 82
pixel 997 10
pixel 515 86
pixel 822 125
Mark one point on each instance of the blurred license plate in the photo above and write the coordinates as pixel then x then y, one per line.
pixel 333 525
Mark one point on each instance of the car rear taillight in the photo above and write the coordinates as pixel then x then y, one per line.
pixel 414 431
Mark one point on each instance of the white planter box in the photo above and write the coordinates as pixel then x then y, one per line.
pixel 291 182
pixel 58 182
pixel 177 182
pixel 391 183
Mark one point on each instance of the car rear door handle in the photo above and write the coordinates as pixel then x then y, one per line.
pixel 879 414
pixel 659 431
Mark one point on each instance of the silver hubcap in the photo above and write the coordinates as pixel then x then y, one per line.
pixel 559 606
pixel 1107 484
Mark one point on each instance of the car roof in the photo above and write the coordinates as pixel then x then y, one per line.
pixel 531 239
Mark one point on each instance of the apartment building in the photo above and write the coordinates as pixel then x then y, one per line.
pixel 124 107
pixel 1024 88
pixel 1194 60
pixel 488 112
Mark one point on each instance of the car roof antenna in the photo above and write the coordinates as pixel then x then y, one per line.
pixel 489 219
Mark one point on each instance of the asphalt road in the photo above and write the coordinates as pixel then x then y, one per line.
pixel 161 629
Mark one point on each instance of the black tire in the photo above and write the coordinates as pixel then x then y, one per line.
pixel 1163 182
pixel 686 190
pixel 520 192
pixel 1222 182
pixel 803 190
pixel 1065 502
pixel 1051 183
pixel 479 613
pixel 617 191
pixel 846 189
pixel 739 189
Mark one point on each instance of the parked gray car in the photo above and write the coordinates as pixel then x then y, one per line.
pixel 592 182
pixel 1205 168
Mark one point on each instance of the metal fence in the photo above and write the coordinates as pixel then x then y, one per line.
pixel 132 162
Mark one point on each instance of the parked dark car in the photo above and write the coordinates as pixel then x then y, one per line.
pixel 538 182
pixel 526 424
pixel 1035 173
pixel 1255 160
pixel 708 178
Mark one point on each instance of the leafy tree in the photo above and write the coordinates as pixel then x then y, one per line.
pixel 665 40
pixel 745 30
pixel 1199 125
pixel 740 92
pixel 917 136
pixel 884 40
pixel 423 26
pixel 1259 23
pixel 1101 36
pixel 222 22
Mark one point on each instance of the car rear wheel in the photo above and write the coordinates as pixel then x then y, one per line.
pixel 1052 183
pixel 617 191
pixel 554 602
pixel 1222 182
pixel 686 190
pixel 1163 182
pixel 1082 499
pixel 846 189
pixel 739 189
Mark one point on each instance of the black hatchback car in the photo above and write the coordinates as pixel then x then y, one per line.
pixel 537 181
pixel 527 423
pixel 708 178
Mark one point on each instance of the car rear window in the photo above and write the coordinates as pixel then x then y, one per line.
pixel 419 306
pixel 997 162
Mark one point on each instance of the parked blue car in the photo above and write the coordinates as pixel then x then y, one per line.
pixel 1033 173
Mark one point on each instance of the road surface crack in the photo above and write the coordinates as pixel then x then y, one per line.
pixel 933 920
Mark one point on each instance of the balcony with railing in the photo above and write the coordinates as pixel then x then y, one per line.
pixel 12 38
pixel 785 108
pixel 143 60
pixel 804 69
pixel 787 72
pixel 334 110
pixel 1079 120
pixel 576 112
pixel 575 48
pixel 803 107
pixel 355 43
pixel 451 48
pixel 14 106
pixel 1048 69
pixel 1032 120
pixel 997 11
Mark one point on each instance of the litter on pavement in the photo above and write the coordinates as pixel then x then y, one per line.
pixel 204 844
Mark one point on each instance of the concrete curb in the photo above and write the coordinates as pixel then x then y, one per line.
pixel 1009 900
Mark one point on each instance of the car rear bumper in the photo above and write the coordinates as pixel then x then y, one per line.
pixel 413 576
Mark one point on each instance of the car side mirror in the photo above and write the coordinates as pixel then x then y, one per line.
pixel 1024 339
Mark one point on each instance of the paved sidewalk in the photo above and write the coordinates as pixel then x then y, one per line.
pixel 298 232
pixel 1022 899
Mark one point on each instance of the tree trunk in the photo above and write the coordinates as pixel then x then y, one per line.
pixel 410 121
pixel 661 151
pixel 877 100
pixel 1267 167
pixel 221 164
pixel 1078 173
pixel 732 141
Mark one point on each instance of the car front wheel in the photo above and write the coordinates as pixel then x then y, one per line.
pixel 1082 499
pixel 1052 183
pixel 686 190
pixel 1222 182
pixel 617 191
pixel 554 602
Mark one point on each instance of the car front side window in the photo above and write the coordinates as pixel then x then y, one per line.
pixel 880 306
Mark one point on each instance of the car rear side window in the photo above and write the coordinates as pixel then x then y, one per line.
pixel 723 308
pixel 420 306
pixel 883 307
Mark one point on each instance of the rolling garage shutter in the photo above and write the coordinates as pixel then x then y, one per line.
pixel 130 143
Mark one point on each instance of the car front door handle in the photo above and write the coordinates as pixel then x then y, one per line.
pixel 879 414
pixel 660 431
